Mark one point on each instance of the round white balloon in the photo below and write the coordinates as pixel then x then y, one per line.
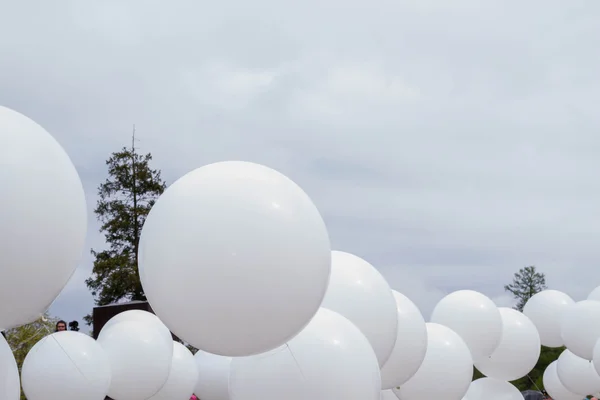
pixel 243 239
pixel 360 293
pixel 182 377
pixel 545 309
pixel 411 344
pixel 475 317
pixel 596 357
pixel 43 219
pixel 576 374
pixel 213 376
pixel 518 351
pixel 554 387
pixel 594 294
pixel 580 328
pixel 446 371
pixel 140 360
pixel 142 316
pixel 66 365
pixel 10 383
pixel 329 359
pixel 492 389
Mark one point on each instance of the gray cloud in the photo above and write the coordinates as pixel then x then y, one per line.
pixel 449 145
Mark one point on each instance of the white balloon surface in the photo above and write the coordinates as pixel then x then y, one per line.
pixel 142 316
pixel 411 344
pixel 360 293
pixel 10 383
pixel 140 360
pixel 554 387
pixel 576 374
pixel 182 376
pixel 492 389
pixel 329 359
pixel 475 317
pixel 447 362
pixel 545 309
pixel 580 328
pixel 518 351
pixel 213 376
pixel 43 219
pixel 68 366
pixel 241 238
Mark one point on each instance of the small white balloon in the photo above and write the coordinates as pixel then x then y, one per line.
pixel 492 389
pixel 43 219
pixel 140 360
pixel 518 351
pixel 475 317
pixel 576 374
pixel 142 316
pixel 360 293
pixel 554 387
pixel 329 359
pixel 68 366
pixel 446 371
pixel 411 344
pixel 240 237
pixel 213 376
pixel 545 309
pixel 10 383
pixel 182 377
pixel 580 328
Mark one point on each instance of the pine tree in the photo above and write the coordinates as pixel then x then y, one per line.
pixel 525 284
pixel 125 199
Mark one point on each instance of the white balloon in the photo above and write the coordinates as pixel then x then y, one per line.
pixel 182 376
pixel 594 294
pixel 43 219
pixel 142 316
pixel 329 359
pixel 213 376
pixel 388 395
pixel 139 358
pixel 244 239
pixel 10 384
pixel 554 387
pixel 475 317
pixel 576 374
pixel 360 293
pixel 492 389
pixel 519 349
pixel 446 371
pixel 66 365
pixel 580 328
pixel 411 344
pixel 596 357
pixel 545 309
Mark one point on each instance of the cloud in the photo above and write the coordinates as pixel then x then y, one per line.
pixel 458 143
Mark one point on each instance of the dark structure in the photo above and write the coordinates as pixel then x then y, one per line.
pixel 532 395
pixel 102 314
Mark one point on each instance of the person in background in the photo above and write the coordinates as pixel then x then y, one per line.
pixel 61 326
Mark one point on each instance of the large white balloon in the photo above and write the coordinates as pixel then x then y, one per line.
pixel 446 371
pixel 411 344
pixel 492 389
pixel 580 328
pixel 545 309
pixel 576 374
pixel 68 366
pixel 10 384
pixel 360 293
pixel 475 317
pixel 554 387
pixel 142 316
pixel 43 219
pixel 243 239
pixel 139 358
pixel 213 376
pixel 329 359
pixel 182 377
pixel 518 351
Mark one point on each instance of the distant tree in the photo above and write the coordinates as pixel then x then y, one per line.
pixel 526 283
pixel 125 199
pixel 23 338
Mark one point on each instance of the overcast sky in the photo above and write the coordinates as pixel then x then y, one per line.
pixel 448 143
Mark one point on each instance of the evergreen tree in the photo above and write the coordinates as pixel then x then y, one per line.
pixel 525 284
pixel 125 199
